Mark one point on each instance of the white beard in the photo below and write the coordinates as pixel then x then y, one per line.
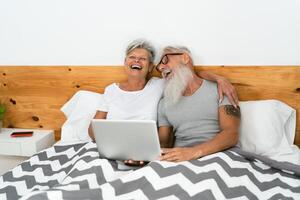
pixel 177 84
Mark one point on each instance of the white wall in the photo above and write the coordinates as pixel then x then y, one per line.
pixel 91 32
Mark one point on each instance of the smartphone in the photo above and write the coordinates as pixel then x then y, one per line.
pixel 22 134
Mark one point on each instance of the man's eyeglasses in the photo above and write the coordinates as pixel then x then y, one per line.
pixel 164 60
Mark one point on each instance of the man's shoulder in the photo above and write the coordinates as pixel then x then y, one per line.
pixel 213 88
pixel 210 83
pixel 207 85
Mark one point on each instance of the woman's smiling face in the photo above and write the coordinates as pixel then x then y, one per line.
pixel 137 63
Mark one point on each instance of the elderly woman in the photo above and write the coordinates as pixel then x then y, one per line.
pixel 138 96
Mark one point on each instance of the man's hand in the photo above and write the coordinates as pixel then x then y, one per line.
pixel 179 154
pixel 225 87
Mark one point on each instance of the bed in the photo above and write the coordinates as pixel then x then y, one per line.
pixel 75 171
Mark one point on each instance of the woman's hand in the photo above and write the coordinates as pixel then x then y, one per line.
pixel 225 87
pixel 135 162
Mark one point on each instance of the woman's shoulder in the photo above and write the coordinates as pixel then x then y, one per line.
pixel 110 88
pixel 157 81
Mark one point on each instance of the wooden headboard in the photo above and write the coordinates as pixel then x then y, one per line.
pixel 34 95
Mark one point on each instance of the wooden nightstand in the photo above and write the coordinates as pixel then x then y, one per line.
pixel 25 146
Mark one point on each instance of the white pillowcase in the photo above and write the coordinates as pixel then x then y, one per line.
pixel 268 129
pixel 79 110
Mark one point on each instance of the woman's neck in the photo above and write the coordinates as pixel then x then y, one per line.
pixel 133 84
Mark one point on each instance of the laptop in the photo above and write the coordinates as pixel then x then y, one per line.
pixel 127 139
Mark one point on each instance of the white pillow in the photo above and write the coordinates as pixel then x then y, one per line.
pixel 268 129
pixel 79 110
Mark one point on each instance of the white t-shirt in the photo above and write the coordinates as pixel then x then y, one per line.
pixel 129 105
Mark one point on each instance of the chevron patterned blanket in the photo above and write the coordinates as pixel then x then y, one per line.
pixel 77 172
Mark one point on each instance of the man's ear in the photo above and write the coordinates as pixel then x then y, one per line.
pixel 186 58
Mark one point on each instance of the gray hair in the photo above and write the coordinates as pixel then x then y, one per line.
pixel 142 44
pixel 177 49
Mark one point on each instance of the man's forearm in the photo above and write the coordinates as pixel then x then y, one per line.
pixel 165 136
pixel 223 140
pixel 166 142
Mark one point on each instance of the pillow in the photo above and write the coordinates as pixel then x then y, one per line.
pixel 268 128
pixel 79 110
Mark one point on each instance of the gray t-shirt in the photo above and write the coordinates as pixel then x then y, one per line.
pixel 194 118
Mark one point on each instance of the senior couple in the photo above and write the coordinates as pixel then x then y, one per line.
pixel 194 118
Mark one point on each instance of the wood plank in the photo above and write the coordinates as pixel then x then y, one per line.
pixel 35 94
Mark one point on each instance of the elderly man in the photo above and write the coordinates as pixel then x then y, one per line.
pixel 191 118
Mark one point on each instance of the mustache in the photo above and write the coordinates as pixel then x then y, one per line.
pixel 166 73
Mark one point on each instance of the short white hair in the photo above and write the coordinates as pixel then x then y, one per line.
pixel 142 44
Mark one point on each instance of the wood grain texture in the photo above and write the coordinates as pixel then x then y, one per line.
pixel 35 94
